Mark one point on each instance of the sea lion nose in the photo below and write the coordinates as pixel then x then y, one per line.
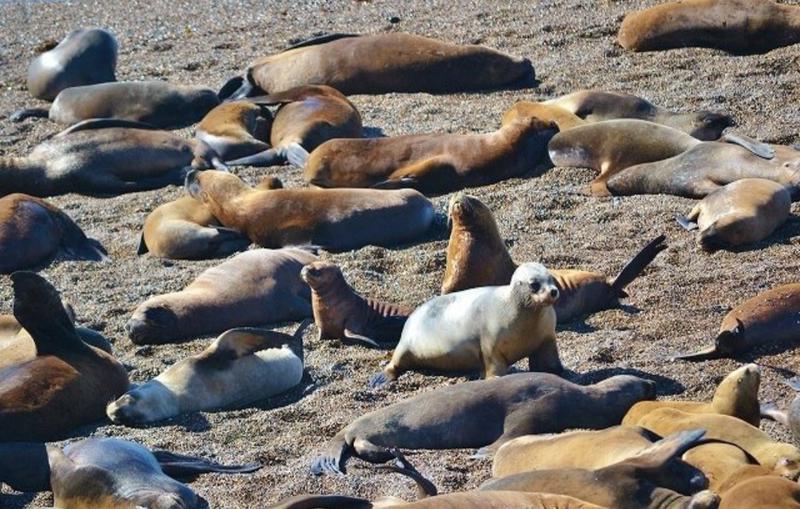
pixel 554 293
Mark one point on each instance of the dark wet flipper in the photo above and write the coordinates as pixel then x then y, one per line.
pixel 354 336
pixel 762 150
pixel 179 466
pixel 401 183
pixel 20 115
pixel 142 247
pixel 685 223
pixel 230 87
pixel 701 355
pixel 269 157
pixel 638 263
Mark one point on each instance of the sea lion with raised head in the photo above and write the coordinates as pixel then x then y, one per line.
pixel 432 163
pixel 334 219
pixel 341 313
pixel 767 318
pixel 486 329
pixel 743 212
pixel 236 129
pixel 68 383
pixel 253 288
pixel 384 63
pixel 33 231
pixel 84 57
pixel 736 26
pixel 482 413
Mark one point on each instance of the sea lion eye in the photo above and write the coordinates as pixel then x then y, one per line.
pixel 536 286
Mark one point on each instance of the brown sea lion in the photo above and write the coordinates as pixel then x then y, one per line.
pixel 68 383
pixel 253 288
pixel 236 129
pixel 341 313
pixel 563 118
pixel 307 117
pixel 768 318
pixel 743 212
pixel 735 26
pixel 432 163
pixel 33 231
pixel 84 57
pixel 157 103
pixel 334 219
pixel 736 395
pixel 384 63
pixel 653 479
pixel 753 489
pixel 483 412
pixel 719 462
pixel 486 329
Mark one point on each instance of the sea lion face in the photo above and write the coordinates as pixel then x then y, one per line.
pixel 631 387
pixel 320 273
pixel 151 323
pixel 731 341
pixel 536 284
pixel 788 467
pixel 469 212
pixel 708 125
pixel 204 186
pixel 149 402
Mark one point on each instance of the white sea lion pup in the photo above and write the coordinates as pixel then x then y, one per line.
pixel 241 366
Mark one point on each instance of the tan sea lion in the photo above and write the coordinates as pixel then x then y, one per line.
pixel 158 103
pixel 736 395
pixel 236 129
pixel 767 318
pixel 341 313
pixel 33 231
pixel 241 366
pixel 743 212
pixel 68 383
pixel 483 412
pixel 719 462
pixel 754 489
pixel 735 26
pixel 563 118
pixel 334 219
pixel 487 329
pixel 253 288
pixel 84 57
pixel 384 63
pixel 432 163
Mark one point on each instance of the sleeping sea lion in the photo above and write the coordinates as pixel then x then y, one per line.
pixel 84 57
pixel 563 118
pixel 341 313
pixel 465 500
pixel 334 219
pixel 755 489
pixel 236 129
pixel 33 231
pixel 253 288
pixel 483 412
pixel 719 462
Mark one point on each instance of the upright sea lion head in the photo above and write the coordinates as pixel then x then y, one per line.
pixel 213 186
pixel 469 213
pixel 533 284
pixel 741 385
pixel 321 275
pixel 730 341
pixel 151 322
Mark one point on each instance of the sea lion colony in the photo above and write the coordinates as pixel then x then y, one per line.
pixel 700 454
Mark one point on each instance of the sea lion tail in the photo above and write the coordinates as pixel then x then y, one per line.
pixel 425 488
pixel 637 264
pixel 183 467
pixel 323 502
pixel 296 154
pixel 20 115
pixel 25 466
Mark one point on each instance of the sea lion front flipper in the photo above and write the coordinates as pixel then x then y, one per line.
pixel 321 39
pixel 230 87
pixel 269 157
pixel 425 488
pixel 25 466
pixel 295 154
pixel 348 334
pixel 762 150
pixel 400 183
pixel 638 263
pixel 142 247
pixel 333 461
pixel 685 223
pixel 106 123
pixel 20 115
pixel 770 411
pixel 661 452
pixel 182 467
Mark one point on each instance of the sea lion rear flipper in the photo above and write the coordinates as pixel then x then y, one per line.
pixel 295 154
pixel 638 263
pixel 425 488
pixel 322 39
pixel 401 183
pixel 701 355
pixel 348 334
pixel 269 157
pixel 106 123
pixel 142 247
pixel 182 467
pixel 25 467
pixel 685 223
pixel 20 115
pixel 334 459
pixel 770 411
pixel 762 150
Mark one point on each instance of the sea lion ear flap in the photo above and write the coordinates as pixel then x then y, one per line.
pixel 739 327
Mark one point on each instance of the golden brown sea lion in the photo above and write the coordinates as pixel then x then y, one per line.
pixel 335 219
pixel 33 231
pixel 84 57
pixel 563 118
pixel 736 26
pixel 432 163
pixel 68 383
pixel 743 212
pixel 736 395
pixel 236 129
pixel 756 489
pixel 767 318
pixel 384 63
pixel 341 313
pixel 719 462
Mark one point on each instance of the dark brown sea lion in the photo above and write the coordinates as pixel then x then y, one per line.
pixel 236 129
pixel 736 26
pixel 384 63
pixel 157 103
pixel 335 219
pixel 33 231
pixel 68 383
pixel 484 412
pixel 757 490
pixel 253 288
pixel 768 318
pixel 432 163
pixel 743 212
pixel 341 313
pixel 84 57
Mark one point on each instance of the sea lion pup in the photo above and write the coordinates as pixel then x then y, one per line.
pixel 158 103
pixel 755 488
pixel 33 231
pixel 654 479
pixel 103 157
pixel 84 57
pixel 307 117
pixel 735 26
pixel 334 219
pixel 385 63
pixel 719 462
pixel 236 129
pixel 253 288
pixel 599 105
pixel 743 212
pixel 341 313
pixel 483 412
pixel 612 146
pixel 241 366
pixel 487 329
pixel 432 163
pixel 768 318
pixel 68 383
pixel 736 395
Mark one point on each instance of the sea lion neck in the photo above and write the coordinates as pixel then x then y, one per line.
pixel 21 175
